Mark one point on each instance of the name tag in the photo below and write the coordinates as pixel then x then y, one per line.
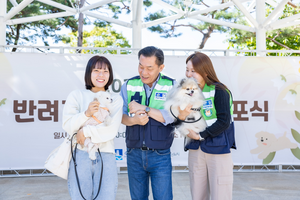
pixel 207 104
pixel 160 96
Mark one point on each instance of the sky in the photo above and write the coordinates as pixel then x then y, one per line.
pixel 188 40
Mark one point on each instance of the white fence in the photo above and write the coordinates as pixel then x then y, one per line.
pixel 174 52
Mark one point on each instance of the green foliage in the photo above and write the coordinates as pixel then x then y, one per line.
pixel 296 135
pixel 280 39
pixel 296 152
pixel 297 114
pixel 168 29
pixel 98 37
pixel 147 3
pixel 115 9
pixel 22 34
pixel 47 30
pixel 100 23
pixel 161 29
pixel 2 102
pixel 269 158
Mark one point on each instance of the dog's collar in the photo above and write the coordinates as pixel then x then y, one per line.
pixel 183 120
pixel 191 118
pixel 196 109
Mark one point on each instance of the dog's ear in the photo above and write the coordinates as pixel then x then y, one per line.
pixel 181 82
pixel 271 136
pixel 258 134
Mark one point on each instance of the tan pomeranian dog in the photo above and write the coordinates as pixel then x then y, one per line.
pixel 185 93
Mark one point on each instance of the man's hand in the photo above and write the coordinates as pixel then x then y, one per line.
pixel 193 135
pixel 134 107
pixel 141 118
pixel 184 113
pixel 80 137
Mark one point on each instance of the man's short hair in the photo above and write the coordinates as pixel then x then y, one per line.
pixel 153 51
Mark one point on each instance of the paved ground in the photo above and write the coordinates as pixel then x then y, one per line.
pixel 247 186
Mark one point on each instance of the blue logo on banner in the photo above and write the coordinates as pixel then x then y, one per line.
pixel 160 96
pixel 119 154
pixel 207 104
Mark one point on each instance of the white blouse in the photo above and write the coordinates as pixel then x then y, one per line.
pixel 74 117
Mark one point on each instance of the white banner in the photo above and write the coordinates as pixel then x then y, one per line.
pixel 33 88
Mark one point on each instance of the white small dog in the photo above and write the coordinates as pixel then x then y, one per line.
pixel 101 116
pixel 185 93
pixel 268 143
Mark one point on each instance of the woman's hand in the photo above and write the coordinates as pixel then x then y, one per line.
pixel 80 137
pixel 93 107
pixel 184 113
pixel 193 135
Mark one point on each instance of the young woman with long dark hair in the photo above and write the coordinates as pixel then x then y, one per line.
pixel 210 162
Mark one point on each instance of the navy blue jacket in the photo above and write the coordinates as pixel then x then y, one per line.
pixel 155 134
pixel 219 137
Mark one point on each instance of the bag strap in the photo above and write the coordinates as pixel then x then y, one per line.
pixel 76 174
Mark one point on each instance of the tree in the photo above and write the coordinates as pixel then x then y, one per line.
pixel 99 37
pixel 80 25
pixel 47 30
pixel 206 29
pixel 114 8
pixel 22 34
pixel 280 39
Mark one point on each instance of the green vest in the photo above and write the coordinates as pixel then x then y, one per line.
pixel 158 95
pixel 208 110
pixel 154 134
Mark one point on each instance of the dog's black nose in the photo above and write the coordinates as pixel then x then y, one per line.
pixel 192 91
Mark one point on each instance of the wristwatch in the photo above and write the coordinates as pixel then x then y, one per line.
pixel 201 138
pixel 147 109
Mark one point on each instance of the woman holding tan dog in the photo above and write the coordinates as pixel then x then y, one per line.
pixel 93 178
pixel 210 161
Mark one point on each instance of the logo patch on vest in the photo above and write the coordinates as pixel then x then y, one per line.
pixel 208 112
pixel 160 96
pixel 207 104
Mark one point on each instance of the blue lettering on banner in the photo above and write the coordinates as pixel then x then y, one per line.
pixel 160 96
pixel 207 104
pixel 119 154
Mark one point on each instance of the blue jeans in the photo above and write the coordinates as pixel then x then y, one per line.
pixel 89 172
pixel 155 164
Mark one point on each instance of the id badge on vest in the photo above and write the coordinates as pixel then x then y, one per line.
pixel 160 96
pixel 208 107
